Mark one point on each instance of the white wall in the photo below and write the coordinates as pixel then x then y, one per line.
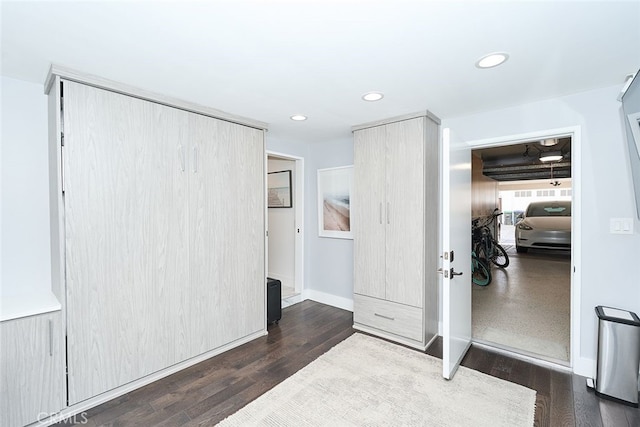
pixel 328 274
pixel 26 263
pixel 608 261
pixel 282 223
pixel 328 271
pixel 330 266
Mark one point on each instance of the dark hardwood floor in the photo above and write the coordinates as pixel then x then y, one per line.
pixel 208 392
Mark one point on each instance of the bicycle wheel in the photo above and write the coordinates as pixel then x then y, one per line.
pixel 499 257
pixel 480 273
pixel 481 253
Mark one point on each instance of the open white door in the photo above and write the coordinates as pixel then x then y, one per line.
pixel 456 256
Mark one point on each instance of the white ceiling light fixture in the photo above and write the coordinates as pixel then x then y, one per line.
pixel 550 156
pixel 492 60
pixel 298 117
pixel 372 96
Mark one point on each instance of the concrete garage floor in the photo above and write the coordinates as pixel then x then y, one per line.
pixel 526 308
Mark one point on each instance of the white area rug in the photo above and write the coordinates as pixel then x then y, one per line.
pixel 365 381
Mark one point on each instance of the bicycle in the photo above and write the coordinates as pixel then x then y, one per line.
pixel 485 245
pixel 480 273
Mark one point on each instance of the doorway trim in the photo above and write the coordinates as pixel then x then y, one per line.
pixel 575 132
pixel 298 207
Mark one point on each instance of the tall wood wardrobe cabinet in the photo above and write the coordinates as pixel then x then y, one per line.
pixel 158 230
pixel 395 221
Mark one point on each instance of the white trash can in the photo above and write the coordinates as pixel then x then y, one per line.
pixel 618 355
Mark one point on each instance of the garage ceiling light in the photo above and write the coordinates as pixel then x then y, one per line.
pixel 550 156
pixel 298 117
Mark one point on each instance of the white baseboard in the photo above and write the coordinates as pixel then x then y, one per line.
pixel 329 299
pixel 294 299
pixel 584 367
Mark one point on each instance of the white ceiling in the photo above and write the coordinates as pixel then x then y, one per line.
pixel 269 59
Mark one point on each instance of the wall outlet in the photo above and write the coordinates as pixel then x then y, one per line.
pixel 621 225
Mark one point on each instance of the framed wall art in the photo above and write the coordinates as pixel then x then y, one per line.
pixel 279 189
pixel 335 186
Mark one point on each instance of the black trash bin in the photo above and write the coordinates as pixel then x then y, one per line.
pixel 274 304
pixel 618 355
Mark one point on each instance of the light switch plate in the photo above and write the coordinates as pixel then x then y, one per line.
pixel 621 225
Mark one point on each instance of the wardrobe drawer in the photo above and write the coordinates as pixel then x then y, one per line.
pixel 388 316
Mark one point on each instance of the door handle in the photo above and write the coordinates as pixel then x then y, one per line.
pixel 453 273
pixel 195 159
pixel 181 156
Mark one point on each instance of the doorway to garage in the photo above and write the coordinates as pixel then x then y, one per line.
pixel 527 306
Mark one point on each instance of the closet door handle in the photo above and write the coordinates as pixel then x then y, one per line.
pixel 195 159
pixel 181 157
pixel 388 219
pixel 50 338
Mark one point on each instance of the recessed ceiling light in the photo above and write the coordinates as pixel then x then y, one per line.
pixel 298 117
pixel 372 96
pixel 492 60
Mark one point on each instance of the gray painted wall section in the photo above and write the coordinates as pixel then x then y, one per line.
pixel 328 262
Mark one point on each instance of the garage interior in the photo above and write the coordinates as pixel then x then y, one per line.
pixel 527 306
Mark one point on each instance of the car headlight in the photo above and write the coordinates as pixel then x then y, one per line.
pixel 523 226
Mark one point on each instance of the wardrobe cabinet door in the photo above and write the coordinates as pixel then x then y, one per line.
pixel 227 232
pixel 369 210
pixel 126 237
pixel 405 221
pixel 32 366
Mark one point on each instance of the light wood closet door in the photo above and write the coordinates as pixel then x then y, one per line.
pixel 32 367
pixel 126 238
pixel 405 221
pixel 369 211
pixel 227 231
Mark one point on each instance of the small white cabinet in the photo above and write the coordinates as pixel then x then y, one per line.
pixel 395 212
pixel 32 367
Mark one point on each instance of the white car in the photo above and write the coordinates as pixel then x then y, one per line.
pixel 544 225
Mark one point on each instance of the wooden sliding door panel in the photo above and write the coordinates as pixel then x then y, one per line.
pixel 405 220
pixel 125 237
pixel 206 220
pixel 227 231
pixel 242 241
pixel 369 211
pixel 161 188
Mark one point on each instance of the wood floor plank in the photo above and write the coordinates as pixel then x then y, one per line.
pixel 613 414
pixel 502 367
pixel 521 373
pixel 561 395
pixel 633 416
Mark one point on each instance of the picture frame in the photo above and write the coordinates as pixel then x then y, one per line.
pixel 279 194
pixel 335 188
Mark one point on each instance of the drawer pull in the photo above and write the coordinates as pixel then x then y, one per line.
pixel 384 317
